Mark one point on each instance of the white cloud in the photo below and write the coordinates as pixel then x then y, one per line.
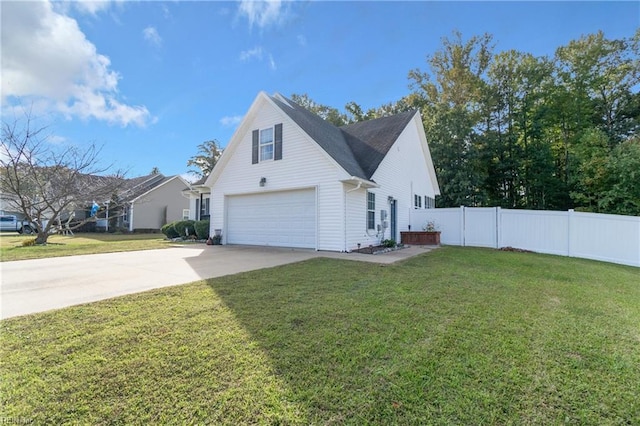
pixel 258 54
pixel 48 61
pixel 166 12
pixel 151 35
pixel 91 7
pixel 263 13
pixel 230 121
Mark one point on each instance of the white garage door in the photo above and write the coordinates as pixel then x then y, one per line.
pixel 283 219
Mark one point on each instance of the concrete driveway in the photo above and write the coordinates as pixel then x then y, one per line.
pixel 30 286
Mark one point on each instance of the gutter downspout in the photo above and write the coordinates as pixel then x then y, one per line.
pixel 345 212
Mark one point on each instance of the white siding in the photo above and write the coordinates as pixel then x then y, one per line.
pixel 304 164
pixel 401 174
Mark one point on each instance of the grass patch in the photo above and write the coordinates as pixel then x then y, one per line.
pixel 455 336
pixel 12 245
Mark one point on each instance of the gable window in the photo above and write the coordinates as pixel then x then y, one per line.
pixel 266 144
pixel 371 210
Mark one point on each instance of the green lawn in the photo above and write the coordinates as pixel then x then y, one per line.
pixel 11 247
pixel 454 336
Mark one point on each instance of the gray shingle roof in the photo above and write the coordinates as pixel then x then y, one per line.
pixel 135 187
pixel 358 148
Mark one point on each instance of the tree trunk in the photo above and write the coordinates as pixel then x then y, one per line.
pixel 42 237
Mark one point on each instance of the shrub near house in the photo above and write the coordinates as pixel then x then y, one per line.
pixel 186 229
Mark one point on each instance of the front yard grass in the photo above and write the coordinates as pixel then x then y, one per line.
pixel 11 245
pixel 455 336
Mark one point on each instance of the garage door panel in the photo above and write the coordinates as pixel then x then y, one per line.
pixel 286 219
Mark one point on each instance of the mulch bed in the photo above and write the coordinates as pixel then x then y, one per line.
pixel 517 250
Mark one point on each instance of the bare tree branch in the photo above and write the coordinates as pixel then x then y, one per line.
pixel 47 183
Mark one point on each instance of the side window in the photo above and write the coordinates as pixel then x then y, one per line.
pixel 185 214
pixel 371 210
pixel 417 201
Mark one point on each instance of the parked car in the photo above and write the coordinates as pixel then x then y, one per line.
pixel 11 223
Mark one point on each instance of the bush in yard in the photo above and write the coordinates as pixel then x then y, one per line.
pixel 184 228
pixel 202 229
pixel 389 243
pixel 169 230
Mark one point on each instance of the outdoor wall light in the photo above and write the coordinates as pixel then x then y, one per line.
pixel 263 181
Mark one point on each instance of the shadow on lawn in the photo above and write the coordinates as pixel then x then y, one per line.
pixel 334 334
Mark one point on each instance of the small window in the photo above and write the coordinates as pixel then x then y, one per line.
pixel 266 144
pixel 371 210
pixel 429 203
pixel 417 201
pixel 185 214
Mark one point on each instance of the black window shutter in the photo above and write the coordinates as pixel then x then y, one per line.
pixel 277 150
pixel 254 146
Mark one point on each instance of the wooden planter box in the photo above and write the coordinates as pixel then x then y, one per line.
pixel 420 238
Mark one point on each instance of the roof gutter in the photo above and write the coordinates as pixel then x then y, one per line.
pixel 355 180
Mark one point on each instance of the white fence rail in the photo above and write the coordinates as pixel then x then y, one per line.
pixel 611 238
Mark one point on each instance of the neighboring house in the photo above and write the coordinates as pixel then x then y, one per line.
pixel 7 205
pixel 148 202
pixel 288 178
pixel 199 200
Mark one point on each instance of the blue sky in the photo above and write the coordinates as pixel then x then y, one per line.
pixel 149 81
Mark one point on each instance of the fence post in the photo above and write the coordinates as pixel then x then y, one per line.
pixel 463 223
pixel 498 226
pixel 569 220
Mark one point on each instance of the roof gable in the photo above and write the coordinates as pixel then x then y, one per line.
pixel 371 140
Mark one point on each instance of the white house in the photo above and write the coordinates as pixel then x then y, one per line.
pixel 288 178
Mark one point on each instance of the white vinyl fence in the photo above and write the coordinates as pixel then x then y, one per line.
pixel 611 238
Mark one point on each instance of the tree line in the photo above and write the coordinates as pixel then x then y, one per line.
pixel 515 130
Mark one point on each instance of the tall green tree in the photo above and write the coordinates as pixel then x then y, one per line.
pixel 622 195
pixel 204 161
pixel 451 95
